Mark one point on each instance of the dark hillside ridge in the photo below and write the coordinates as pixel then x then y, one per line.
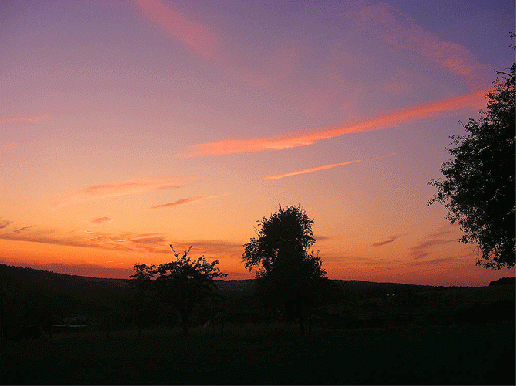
pixel 66 281
pixel 503 281
pixel 50 277
pixel 30 296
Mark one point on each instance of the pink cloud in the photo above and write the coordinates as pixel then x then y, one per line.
pixel 318 168
pixel 22 229
pixel 311 170
pixel 399 30
pixel 210 247
pixel 184 201
pixel 388 241
pixel 43 237
pixel 440 107
pixel 6 147
pixel 424 247
pixel 191 33
pixel 385 242
pixel 4 223
pixel 101 220
pixel 202 40
pixel 130 187
pixel 33 120
pixel 155 243
pixel 149 242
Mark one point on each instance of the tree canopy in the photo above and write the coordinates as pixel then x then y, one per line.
pixel 478 187
pixel 287 272
pixel 183 283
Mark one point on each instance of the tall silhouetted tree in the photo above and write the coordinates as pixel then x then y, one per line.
pixel 478 189
pixel 287 272
pixel 185 283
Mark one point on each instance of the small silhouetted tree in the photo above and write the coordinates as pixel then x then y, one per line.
pixel 478 187
pixel 287 273
pixel 185 283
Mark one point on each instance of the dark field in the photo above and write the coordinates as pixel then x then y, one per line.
pixel 457 354
pixel 421 335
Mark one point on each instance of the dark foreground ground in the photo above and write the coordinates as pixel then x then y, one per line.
pixel 269 354
pixel 361 333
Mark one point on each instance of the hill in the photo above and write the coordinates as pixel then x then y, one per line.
pixel 35 295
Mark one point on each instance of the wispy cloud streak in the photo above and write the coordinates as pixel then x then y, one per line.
pixel 155 243
pixel 100 220
pixel 401 31
pixel 218 50
pixel 388 241
pixel 43 237
pixel 6 147
pixel 130 187
pixel 424 247
pixel 184 201
pixel 149 242
pixel 291 140
pixel 311 170
pixel 432 262
pixel 189 32
pixel 4 223
pixel 17 119
pixel 22 229
pixel 318 168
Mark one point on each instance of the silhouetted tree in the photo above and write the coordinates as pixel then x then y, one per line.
pixel 185 283
pixel 142 284
pixel 478 189
pixel 287 272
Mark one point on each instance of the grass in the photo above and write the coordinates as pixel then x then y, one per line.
pixel 269 354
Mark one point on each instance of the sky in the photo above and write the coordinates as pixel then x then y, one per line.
pixel 126 126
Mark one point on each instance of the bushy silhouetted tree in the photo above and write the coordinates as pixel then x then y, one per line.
pixel 185 283
pixel 287 272
pixel 478 189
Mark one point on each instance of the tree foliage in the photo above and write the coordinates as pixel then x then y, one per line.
pixel 144 294
pixel 286 270
pixel 478 189
pixel 183 283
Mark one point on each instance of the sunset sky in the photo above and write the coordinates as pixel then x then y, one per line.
pixel 126 126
